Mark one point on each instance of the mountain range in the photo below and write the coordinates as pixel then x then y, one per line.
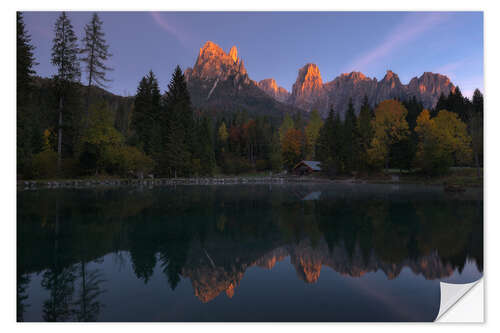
pixel 219 81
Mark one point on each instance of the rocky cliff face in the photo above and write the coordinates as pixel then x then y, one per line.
pixel 428 86
pixel 219 81
pixel 270 87
pixel 309 92
pixel 215 64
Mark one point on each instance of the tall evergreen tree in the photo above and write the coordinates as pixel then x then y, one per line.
pixel 25 61
pixel 95 53
pixel 27 132
pixel 179 133
pixel 147 117
pixel 329 143
pixel 205 147
pixel 476 129
pixel 65 58
pixel 350 151
pixel 365 131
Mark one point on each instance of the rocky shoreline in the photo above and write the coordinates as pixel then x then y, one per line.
pixel 89 183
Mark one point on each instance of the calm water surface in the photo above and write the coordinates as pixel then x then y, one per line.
pixel 244 252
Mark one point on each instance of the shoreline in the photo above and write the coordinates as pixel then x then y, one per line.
pixel 229 180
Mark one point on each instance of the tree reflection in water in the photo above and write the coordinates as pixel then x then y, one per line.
pixel 213 234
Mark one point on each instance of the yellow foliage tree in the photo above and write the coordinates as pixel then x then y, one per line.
pixel 389 127
pixel 292 147
pixel 443 141
pixel 312 133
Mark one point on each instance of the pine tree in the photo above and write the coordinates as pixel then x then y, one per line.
pixel 365 131
pixel 328 144
pixel 179 134
pixel 95 51
pixel 350 140
pixel 25 61
pixel 65 58
pixel 205 147
pixel 27 127
pixel 476 129
pixel 147 117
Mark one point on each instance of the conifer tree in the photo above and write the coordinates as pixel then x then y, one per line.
pixel 365 131
pixel 205 147
pixel 26 122
pixel 179 133
pixel 25 61
pixel 95 53
pixel 328 144
pixel 476 129
pixel 350 140
pixel 146 119
pixel 65 58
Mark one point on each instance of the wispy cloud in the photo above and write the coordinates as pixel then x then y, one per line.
pixel 170 27
pixel 449 68
pixel 412 27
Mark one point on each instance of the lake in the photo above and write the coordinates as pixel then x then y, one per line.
pixel 281 252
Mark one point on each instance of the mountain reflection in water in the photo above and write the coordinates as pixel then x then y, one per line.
pixel 213 237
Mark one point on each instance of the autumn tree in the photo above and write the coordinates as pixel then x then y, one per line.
pixel 312 133
pixel 222 134
pixel 275 156
pixel 292 147
pixel 389 127
pixel 65 58
pixel 285 126
pixel 443 141
pixel 100 141
pixel 95 53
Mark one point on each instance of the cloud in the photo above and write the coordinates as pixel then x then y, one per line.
pixel 449 68
pixel 412 27
pixel 169 27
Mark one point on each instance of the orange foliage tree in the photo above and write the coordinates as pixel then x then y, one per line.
pixel 293 145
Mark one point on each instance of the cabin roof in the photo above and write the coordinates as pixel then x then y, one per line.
pixel 314 165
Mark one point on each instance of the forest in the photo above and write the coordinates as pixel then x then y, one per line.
pixel 68 127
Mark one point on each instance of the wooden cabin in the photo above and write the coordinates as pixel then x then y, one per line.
pixel 306 168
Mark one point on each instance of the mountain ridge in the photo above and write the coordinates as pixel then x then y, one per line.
pixel 219 80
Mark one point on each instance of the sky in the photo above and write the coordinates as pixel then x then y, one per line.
pixel 276 44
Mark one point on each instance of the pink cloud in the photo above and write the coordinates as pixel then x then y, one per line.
pixel 169 27
pixel 449 68
pixel 411 28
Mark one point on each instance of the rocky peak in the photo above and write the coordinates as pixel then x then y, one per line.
pixel 310 73
pixel 233 53
pixel 391 78
pixel 213 63
pixel 429 86
pixel 308 87
pixel 270 87
pixel 354 76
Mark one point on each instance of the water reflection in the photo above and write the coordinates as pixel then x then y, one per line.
pixel 213 235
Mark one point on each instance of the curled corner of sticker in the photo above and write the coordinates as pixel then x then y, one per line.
pixel 451 294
